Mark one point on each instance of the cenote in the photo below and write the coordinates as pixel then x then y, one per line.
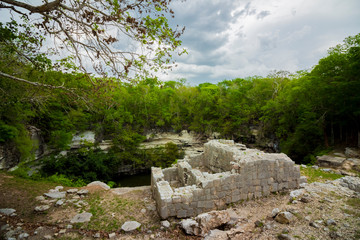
pixel 142 179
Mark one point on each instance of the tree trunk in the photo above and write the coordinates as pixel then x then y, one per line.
pixel 332 135
pixel 358 139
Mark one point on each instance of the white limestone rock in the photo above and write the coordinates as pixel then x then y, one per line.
pixel 81 218
pixel 42 208
pixel 130 226
pixel 284 217
pixel 100 184
pixel 7 211
pixel 190 226
pixel 55 194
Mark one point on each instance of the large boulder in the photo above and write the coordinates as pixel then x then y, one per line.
pixel 352 152
pixel 211 220
pixel 205 222
pixel 330 161
pixel 352 183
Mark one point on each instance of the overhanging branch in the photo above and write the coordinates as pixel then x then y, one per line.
pixel 37 84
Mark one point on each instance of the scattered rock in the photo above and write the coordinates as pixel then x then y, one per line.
pixel 284 217
pixel 334 235
pixel 284 236
pixel 59 202
pixel 130 226
pixel 143 211
pixel 259 224
pixel 216 234
pixel 296 193
pixel 274 212
pixel 330 222
pixel 314 224
pixel 82 217
pixel 59 188
pixel 99 184
pixel 97 235
pixel 69 226
pixel 190 226
pixel 165 224
pixel 7 211
pixel 47 237
pixel 83 192
pixel 112 235
pixel 55 194
pixel 72 191
pixel 42 208
pixel 62 231
pixel 23 236
pixel 40 198
pixel 306 198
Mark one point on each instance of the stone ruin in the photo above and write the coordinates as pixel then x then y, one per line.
pixel 226 172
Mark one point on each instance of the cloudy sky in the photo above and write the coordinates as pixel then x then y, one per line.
pixel 240 38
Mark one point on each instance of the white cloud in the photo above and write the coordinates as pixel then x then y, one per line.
pixel 255 37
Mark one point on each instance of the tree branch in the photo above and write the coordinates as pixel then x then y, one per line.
pixel 47 7
pixel 37 84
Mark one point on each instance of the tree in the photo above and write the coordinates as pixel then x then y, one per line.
pixel 121 38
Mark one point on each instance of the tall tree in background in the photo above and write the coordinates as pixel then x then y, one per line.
pixel 119 38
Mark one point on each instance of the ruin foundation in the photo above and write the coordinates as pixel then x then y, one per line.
pixel 224 173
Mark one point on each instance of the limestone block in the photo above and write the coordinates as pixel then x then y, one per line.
pixel 182 214
pixel 170 174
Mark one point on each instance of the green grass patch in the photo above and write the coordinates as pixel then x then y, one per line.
pixel 317 175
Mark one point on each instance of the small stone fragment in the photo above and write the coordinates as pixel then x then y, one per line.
pixel 165 224
pixel 190 226
pixel 334 235
pixel 112 235
pixel 62 231
pixel 274 212
pixel 330 222
pixel 284 217
pixel 130 226
pixel 48 237
pixel 314 224
pixel 96 235
pixel 259 224
pixel 143 211
pixel 69 226
pixel 59 188
pixel 23 236
pixel 284 237
pixel 42 208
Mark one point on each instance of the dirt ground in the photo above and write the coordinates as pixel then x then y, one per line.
pixel 111 208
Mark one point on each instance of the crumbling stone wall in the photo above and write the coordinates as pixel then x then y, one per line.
pixel 232 173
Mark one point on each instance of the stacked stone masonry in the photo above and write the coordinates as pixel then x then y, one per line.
pixel 224 173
